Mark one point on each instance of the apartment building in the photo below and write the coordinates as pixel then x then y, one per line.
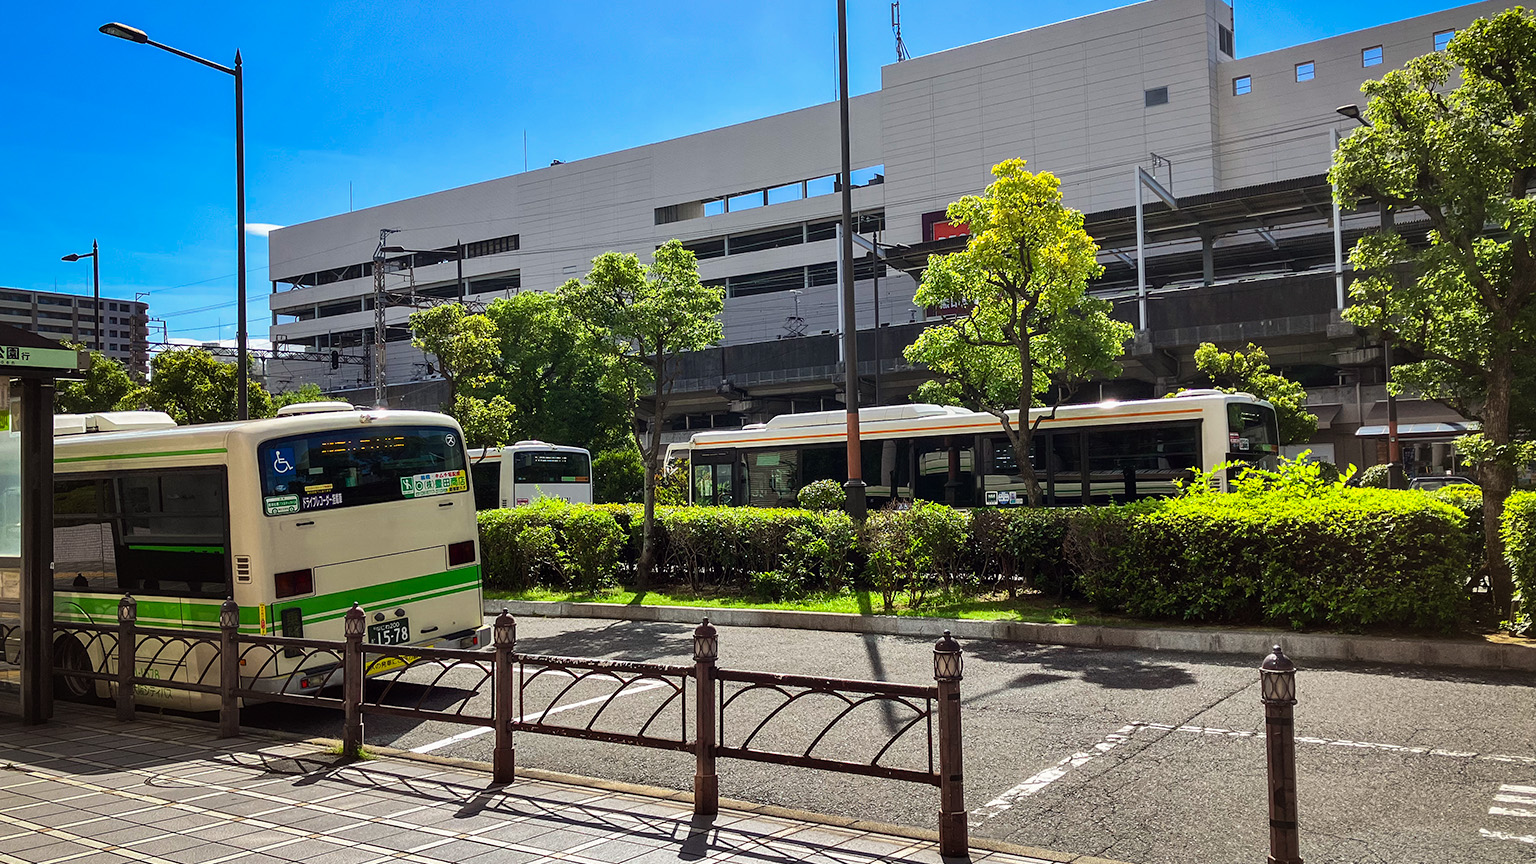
pixel 1239 244
pixel 70 318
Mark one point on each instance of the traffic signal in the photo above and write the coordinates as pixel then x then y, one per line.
pixel 335 359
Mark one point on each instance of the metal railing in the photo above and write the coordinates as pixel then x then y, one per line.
pixel 767 712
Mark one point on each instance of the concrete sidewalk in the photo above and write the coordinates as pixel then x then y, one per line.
pixel 88 790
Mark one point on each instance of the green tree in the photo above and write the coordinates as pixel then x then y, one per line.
pixel 562 379
pixel 1236 372
pixel 646 316
pixel 464 345
pixel 105 386
pixel 1465 303
pixel 618 476
pixel 305 393
pixel 1029 323
pixel 486 422
pixel 193 386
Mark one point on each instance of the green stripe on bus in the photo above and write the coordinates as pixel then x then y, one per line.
pixel 335 604
pixel 332 616
pixel 216 550
pixel 59 460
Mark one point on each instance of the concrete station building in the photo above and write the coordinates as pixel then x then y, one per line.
pixel 1239 241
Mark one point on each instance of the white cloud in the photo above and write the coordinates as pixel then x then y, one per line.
pixel 260 229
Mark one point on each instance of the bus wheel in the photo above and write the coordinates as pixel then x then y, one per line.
pixel 70 656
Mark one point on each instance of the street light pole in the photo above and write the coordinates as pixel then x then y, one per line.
pixel 135 35
pixel 95 257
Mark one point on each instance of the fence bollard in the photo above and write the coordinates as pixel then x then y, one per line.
pixel 948 664
pixel 706 784
pixel 127 654
pixel 504 708
pixel 229 669
pixel 1277 686
pixel 352 684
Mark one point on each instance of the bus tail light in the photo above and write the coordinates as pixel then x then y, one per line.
pixel 460 553
pixel 294 582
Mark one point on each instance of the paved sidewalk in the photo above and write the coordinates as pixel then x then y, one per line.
pixel 88 790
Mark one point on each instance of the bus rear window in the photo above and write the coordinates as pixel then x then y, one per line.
pixel 325 470
pixel 553 467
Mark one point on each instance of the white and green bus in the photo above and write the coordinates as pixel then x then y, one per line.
pixel 296 517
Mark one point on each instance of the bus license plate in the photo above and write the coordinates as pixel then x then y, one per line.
pixel 396 632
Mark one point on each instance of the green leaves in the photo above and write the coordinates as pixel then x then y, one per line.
pixel 106 384
pixel 1235 371
pixel 1028 323
pixel 193 386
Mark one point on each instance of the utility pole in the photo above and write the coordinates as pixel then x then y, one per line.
pixel 380 396
pixel 855 484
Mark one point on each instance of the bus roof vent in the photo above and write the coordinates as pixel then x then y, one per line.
pixel 866 415
pixel 111 421
pixel 532 442
pixel 315 408
pixel 1204 391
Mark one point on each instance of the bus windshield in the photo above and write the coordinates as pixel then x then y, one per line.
pixel 324 470
pixel 1252 432
pixel 551 467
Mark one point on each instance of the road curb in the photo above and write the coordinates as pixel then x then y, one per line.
pixel 1459 654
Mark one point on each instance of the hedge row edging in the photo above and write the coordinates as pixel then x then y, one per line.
pixel 1304 647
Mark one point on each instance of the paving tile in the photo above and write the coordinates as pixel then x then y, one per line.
pixel 616 851
pixel 328 854
pixel 52 848
pixel 197 854
pixel 101 858
pixel 165 844
pixel 121 833
pixel 30 842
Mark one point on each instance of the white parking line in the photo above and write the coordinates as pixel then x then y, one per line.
pixel 1500 835
pixel 484 730
pixel 1037 783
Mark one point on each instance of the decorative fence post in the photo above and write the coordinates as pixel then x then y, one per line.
pixel 1277 688
pixel 706 784
pixel 229 669
pixel 504 708
pixel 127 654
pixel 947 666
pixel 352 681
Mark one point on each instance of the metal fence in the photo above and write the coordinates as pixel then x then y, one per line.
pixel 894 731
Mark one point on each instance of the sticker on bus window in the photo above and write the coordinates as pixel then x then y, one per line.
pixel 281 505
pixel 321 502
pixel 317 489
pixel 438 483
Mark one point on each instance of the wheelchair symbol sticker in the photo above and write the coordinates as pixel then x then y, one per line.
pixel 282 461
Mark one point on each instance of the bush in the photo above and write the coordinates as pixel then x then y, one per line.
pixel 1468 498
pixel 1345 558
pixel 1375 477
pixel 908 547
pixel 672 485
pixel 1022 547
pixel 823 495
pixel 618 476
pixel 1517 528
pixel 547 542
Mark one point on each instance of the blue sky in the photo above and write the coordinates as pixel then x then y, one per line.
pixel 357 104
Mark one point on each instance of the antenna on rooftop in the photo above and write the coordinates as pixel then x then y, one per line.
pixel 794 325
pixel 901 47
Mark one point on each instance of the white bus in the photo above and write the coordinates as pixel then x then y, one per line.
pixel 538 470
pixel 1104 453
pixel 296 517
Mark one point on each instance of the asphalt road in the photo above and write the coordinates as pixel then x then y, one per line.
pixel 1143 757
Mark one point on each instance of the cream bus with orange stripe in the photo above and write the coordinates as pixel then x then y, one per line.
pixel 1109 452
pixel 296 517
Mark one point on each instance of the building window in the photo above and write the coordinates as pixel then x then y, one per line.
pixel 1371 56
pixel 1242 85
pixel 1443 39
pixel 1306 71
pixel 1224 40
pixel 1157 96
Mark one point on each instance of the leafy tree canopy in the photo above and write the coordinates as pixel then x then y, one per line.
pixel 1237 372
pixel 1466 303
pixel 105 386
pixel 306 393
pixel 1029 323
pixel 464 344
pixel 193 386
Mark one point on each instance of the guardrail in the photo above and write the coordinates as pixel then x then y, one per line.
pixel 772 718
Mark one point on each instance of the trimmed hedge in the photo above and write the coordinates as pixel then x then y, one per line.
pixel 1344 558
pixel 1347 558
pixel 1517 528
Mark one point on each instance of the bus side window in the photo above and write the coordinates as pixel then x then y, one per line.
pixel 170 538
pixel 82 538
pixel 485 476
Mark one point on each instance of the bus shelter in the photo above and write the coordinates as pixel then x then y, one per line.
pixel 29 366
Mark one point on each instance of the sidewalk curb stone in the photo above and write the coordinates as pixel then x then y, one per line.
pixel 1247 643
